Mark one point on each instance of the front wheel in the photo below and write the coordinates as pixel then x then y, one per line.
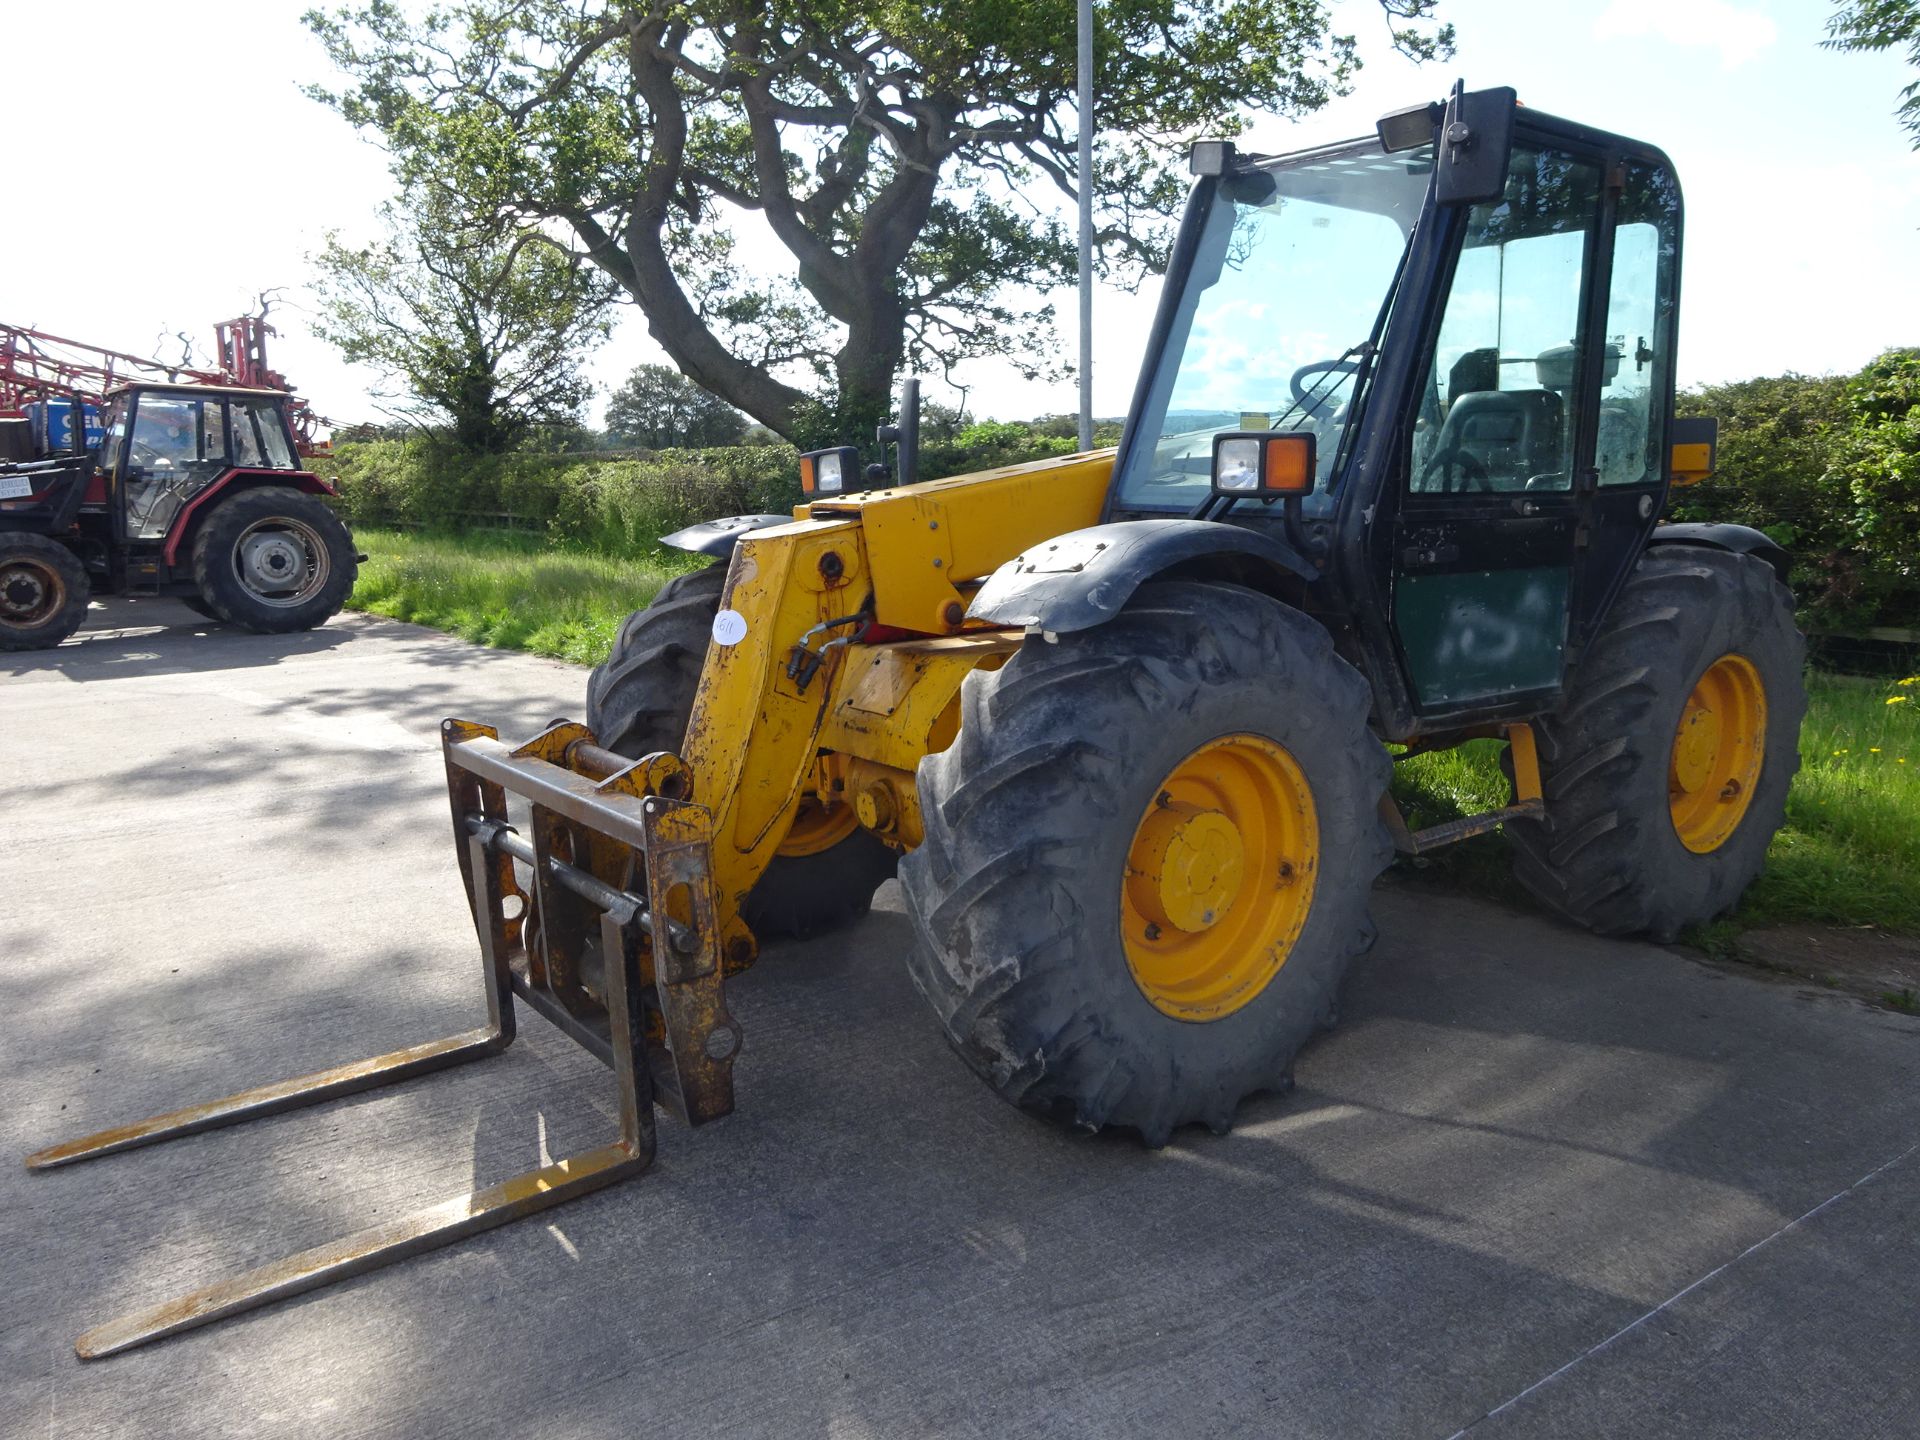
pixel 1665 771
pixel 1148 859
pixel 273 560
pixel 43 592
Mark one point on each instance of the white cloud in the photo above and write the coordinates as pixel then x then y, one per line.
pixel 1739 35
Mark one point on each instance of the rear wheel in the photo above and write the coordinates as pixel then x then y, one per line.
pixel 1148 859
pixel 639 701
pixel 1666 770
pixel 43 592
pixel 273 560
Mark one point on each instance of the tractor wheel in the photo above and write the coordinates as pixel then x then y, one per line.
pixel 638 701
pixel 43 592
pixel 273 560
pixel 1666 769
pixel 1149 859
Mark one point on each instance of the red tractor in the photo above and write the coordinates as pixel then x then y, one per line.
pixel 186 488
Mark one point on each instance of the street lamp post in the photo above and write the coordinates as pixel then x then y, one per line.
pixel 1086 224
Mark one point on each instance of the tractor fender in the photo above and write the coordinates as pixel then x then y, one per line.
pixel 718 537
pixel 235 480
pixel 1740 539
pixel 1082 578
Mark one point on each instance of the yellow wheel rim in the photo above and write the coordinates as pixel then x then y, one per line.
pixel 1220 877
pixel 1717 751
pixel 816 828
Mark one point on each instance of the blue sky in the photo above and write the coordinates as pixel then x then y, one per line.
pixel 1803 198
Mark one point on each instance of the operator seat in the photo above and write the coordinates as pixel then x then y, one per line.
pixel 1513 435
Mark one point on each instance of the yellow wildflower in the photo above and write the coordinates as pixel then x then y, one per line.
pixel 1911 681
pixel 1898 699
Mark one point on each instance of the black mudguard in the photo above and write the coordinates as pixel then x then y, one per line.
pixel 1081 579
pixel 718 537
pixel 1740 539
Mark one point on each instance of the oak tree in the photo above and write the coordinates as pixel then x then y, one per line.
pixel 907 156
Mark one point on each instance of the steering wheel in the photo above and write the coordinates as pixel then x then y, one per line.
pixel 142 453
pixel 1298 384
pixel 1473 475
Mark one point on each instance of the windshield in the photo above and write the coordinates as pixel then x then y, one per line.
pixel 1293 265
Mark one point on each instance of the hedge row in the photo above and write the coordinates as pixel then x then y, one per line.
pixel 620 503
pixel 616 505
pixel 1827 465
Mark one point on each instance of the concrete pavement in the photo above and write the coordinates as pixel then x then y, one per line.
pixel 1535 1184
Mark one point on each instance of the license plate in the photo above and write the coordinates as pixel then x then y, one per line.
pixel 15 487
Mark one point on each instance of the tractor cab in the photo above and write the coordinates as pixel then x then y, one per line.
pixel 165 447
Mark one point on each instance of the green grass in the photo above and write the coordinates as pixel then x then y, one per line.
pixel 1844 857
pixel 509 591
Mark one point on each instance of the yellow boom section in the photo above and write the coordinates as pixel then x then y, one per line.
pixel 927 541
pixel 760 739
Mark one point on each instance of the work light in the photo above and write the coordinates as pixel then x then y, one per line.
pixel 1210 157
pixel 1263 463
pixel 830 472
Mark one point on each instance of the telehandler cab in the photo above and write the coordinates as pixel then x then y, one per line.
pixel 1393 475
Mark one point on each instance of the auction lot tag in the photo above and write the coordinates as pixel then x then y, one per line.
pixel 729 627
pixel 15 487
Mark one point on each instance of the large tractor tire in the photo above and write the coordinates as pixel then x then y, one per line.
pixel 273 560
pixel 639 701
pixel 1665 771
pixel 1148 860
pixel 43 592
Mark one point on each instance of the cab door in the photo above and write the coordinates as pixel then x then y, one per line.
pixel 1498 462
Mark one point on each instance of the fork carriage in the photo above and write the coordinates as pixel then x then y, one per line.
pixel 611 935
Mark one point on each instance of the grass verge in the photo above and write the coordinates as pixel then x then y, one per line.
pixel 509 591
pixel 1851 840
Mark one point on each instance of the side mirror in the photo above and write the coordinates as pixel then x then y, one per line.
pixel 1474 146
pixel 904 437
pixel 1263 464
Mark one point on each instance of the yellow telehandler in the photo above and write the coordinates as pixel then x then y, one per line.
pixel 1393 476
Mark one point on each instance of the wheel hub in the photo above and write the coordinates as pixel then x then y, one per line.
pixel 1718 748
pixel 26 594
pixel 1192 861
pixel 280 561
pixel 270 561
pixel 1694 748
pixel 1220 877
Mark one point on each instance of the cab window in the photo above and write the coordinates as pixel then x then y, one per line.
pixel 259 437
pixel 178 447
pixel 1631 445
pixel 1503 390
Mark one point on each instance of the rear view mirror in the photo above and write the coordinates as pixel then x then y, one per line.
pixel 1475 145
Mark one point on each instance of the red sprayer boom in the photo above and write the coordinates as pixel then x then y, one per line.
pixel 37 366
